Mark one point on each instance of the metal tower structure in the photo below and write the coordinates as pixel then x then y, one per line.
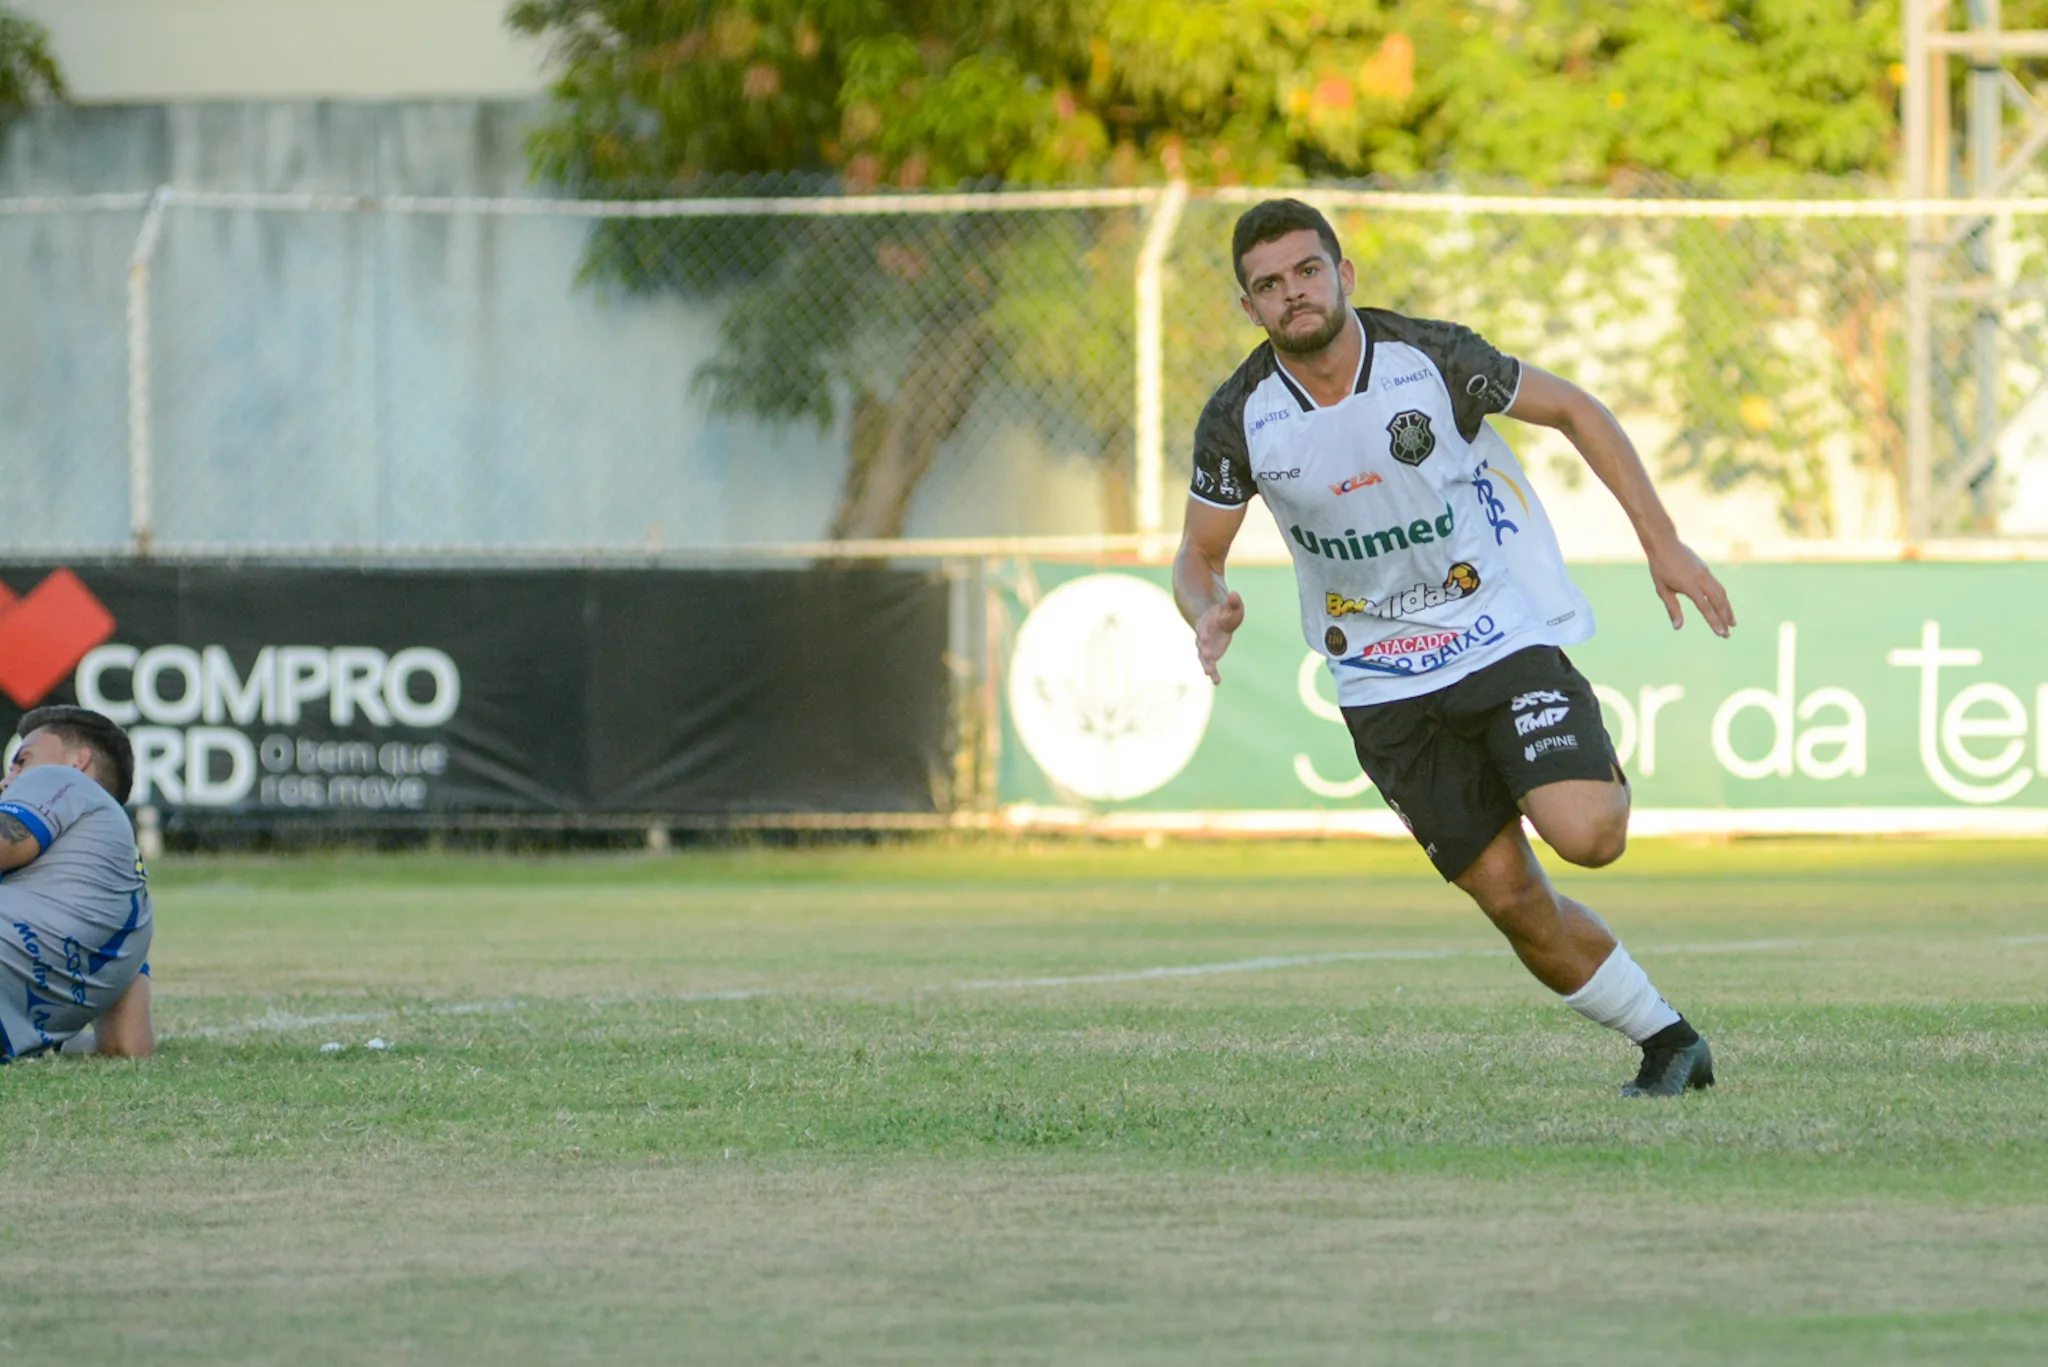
pixel 1957 264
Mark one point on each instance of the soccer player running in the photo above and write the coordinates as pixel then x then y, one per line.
pixel 1432 582
pixel 75 911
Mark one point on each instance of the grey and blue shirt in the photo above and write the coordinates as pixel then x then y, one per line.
pixel 76 921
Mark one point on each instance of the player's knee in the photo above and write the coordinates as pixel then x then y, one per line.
pixel 1512 902
pixel 1590 844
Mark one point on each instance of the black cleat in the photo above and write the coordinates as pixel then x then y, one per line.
pixel 1673 1069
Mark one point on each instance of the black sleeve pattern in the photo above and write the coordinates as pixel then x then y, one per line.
pixel 1223 464
pixel 1481 379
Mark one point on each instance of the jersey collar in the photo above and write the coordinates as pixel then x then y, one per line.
pixel 1359 382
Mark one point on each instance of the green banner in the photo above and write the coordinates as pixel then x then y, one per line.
pixel 1898 685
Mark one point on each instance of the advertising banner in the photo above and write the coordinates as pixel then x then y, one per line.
pixel 1845 688
pixel 272 692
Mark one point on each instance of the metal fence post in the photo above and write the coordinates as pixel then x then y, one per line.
pixel 1149 423
pixel 1920 247
pixel 141 453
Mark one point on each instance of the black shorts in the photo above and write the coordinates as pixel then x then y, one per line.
pixel 1455 764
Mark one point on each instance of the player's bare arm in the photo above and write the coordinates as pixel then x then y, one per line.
pixel 1199 590
pixel 1549 401
pixel 18 844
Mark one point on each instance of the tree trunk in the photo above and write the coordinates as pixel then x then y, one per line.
pixel 894 440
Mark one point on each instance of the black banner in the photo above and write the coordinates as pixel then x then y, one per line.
pixel 275 692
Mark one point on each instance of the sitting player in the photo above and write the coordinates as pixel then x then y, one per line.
pixel 75 914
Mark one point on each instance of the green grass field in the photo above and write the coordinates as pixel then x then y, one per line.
pixel 927 1106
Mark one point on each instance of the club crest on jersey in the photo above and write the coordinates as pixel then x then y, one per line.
pixel 1412 441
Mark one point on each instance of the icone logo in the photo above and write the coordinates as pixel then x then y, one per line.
pixel 1353 545
pixel 45 632
pixel 1295 473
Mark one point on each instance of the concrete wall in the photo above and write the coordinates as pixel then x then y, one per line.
pixel 130 51
pixel 399 381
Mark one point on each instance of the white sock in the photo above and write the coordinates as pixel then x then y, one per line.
pixel 1619 996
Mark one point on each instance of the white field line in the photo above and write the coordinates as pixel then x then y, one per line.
pixel 1234 966
pixel 2025 940
pixel 1351 956
pixel 277 1022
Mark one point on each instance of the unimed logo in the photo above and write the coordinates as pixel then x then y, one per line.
pixel 45 632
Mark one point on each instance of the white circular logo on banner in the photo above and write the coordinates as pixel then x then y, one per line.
pixel 1105 688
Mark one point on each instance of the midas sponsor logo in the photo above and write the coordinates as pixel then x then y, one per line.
pixel 1462 582
pixel 1353 545
pixel 1365 479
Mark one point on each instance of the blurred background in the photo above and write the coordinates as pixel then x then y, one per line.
pixel 375 318
pixel 591 282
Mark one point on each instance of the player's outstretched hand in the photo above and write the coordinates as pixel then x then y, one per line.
pixel 1213 631
pixel 1676 570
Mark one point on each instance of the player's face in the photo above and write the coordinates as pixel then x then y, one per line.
pixel 1296 292
pixel 41 746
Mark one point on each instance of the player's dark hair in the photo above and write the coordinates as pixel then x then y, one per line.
pixel 83 728
pixel 1272 219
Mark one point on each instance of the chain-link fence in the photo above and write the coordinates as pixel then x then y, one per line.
pixel 210 371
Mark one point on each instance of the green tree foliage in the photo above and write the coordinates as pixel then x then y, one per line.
pixel 28 69
pixel 899 323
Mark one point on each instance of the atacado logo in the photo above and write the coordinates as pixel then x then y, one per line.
pixel 1105 689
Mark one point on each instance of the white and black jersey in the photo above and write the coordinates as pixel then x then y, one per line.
pixel 1420 549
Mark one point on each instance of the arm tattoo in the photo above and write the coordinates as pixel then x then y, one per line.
pixel 13 832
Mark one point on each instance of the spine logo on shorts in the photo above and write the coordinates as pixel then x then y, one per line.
pixel 1548 745
pixel 45 633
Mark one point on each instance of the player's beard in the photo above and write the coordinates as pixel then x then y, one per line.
pixel 1309 344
